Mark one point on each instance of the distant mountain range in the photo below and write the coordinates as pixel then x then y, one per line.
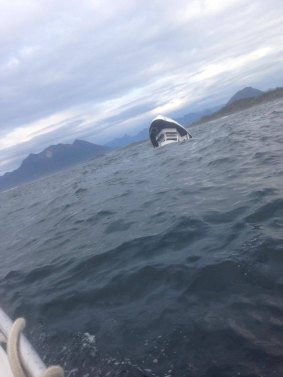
pixel 245 93
pixel 242 100
pixel 61 156
pixel 52 159
pixel 127 139
pixel 190 118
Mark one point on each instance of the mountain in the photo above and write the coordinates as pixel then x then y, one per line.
pixel 247 92
pixel 52 159
pixel 127 139
pixel 191 118
pixel 244 103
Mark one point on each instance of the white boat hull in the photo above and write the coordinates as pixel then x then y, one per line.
pixel 164 131
pixel 30 360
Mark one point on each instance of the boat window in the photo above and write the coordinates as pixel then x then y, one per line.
pixel 174 134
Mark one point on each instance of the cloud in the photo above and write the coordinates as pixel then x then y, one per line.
pixel 101 68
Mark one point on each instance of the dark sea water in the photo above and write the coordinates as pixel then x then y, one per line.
pixel 156 262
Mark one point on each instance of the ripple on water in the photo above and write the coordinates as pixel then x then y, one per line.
pixel 156 262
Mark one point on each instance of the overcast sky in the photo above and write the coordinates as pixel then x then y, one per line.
pixel 96 69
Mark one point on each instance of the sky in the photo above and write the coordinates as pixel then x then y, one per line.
pixel 97 69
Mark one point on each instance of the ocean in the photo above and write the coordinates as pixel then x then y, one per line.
pixel 156 262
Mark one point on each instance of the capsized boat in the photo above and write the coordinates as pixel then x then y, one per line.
pixel 17 357
pixel 163 131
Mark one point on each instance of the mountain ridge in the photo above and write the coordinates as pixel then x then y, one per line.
pixel 61 156
pixel 243 103
pixel 247 92
pixel 51 160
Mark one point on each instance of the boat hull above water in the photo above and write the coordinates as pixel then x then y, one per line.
pixel 165 131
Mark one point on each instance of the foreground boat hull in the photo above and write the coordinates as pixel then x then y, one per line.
pixel 30 359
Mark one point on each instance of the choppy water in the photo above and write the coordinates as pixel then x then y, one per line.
pixel 156 262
